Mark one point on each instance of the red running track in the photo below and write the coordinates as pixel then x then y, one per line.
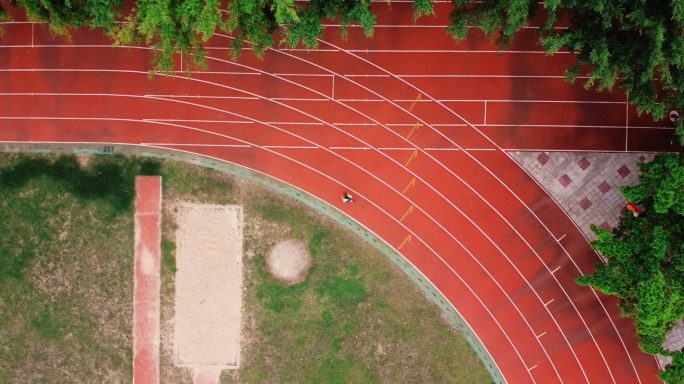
pixel 345 117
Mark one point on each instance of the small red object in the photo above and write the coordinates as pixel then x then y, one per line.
pixel 635 210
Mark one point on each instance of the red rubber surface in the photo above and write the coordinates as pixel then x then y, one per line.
pixel 343 118
pixel 146 293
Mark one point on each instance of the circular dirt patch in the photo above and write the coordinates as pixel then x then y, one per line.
pixel 289 261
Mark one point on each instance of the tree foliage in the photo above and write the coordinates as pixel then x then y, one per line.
pixel 635 44
pixel 645 255
pixel 64 14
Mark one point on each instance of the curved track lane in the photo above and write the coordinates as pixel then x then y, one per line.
pixel 348 117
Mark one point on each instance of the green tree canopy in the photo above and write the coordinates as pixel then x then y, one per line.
pixel 645 255
pixel 637 45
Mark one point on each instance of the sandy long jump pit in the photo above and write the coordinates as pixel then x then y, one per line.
pixel 208 302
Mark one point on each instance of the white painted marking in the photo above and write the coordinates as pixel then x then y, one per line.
pixel 204 97
pixel 541 335
pixel 296 99
pixel 302 74
pixel 397 149
pixel 431 51
pixel 366 75
pixel 479 149
pixel 561 238
pixel 202 121
pixel 441 149
pixel 627 123
pixel 349 148
pixel 554 271
pixel 354 124
pixel 549 302
pixel 287 146
pixel 201 145
pixel 494 76
pixel 285 123
pixel 359 100
pixel 529 369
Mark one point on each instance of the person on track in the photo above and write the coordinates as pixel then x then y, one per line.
pixel 347 198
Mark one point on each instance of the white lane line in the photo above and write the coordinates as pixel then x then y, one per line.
pixel 430 51
pixel 302 74
pixel 485 113
pixel 441 149
pixel 305 50
pixel 567 150
pixel 349 148
pixel 366 75
pixel 203 97
pixel 202 121
pixel 493 76
pixel 554 271
pixel 288 147
pixel 529 369
pixel 296 99
pixel 541 335
pixel 546 304
pixel 403 125
pixel 223 73
pixel 561 238
pixel 398 149
pixel 199 145
pixel 286 123
pixel 479 149
pixel 513 101
pixel 570 126
pixel 364 124
pixel 359 100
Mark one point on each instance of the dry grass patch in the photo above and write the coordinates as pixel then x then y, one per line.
pixel 66 269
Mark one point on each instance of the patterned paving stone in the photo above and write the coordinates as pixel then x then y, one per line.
pixel 604 187
pixel 583 163
pixel 585 184
pixel 543 158
pixel 565 180
pixel 623 171
pixel 674 341
pixel 585 203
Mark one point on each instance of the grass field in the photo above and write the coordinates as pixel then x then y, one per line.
pixel 66 289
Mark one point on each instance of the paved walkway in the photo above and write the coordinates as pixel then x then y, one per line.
pixel 585 184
